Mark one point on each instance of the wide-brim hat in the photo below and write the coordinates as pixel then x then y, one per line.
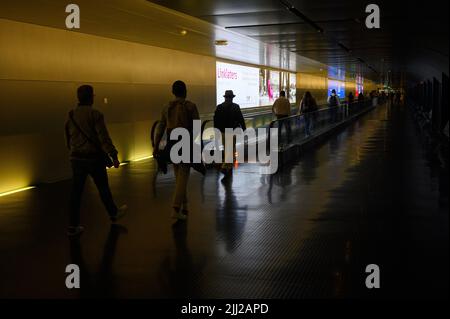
pixel 229 93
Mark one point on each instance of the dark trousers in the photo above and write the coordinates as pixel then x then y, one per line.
pixel 286 125
pixel 308 123
pixel 96 169
pixel 333 114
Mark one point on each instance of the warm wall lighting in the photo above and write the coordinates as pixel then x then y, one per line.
pixel 183 32
pixel 17 191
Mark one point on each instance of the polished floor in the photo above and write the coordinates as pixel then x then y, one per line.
pixel 367 195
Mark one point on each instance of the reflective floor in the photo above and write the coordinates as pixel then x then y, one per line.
pixel 366 196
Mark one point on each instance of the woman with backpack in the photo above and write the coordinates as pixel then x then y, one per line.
pixel 308 105
pixel 333 106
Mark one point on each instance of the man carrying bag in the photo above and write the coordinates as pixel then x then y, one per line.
pixel 179 113
pixel 91 151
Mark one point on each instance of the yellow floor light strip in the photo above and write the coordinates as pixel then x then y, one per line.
pixel 31 187
pixel 142 158
pixel 17 191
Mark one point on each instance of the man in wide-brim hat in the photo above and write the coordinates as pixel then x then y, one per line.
pixel 228 115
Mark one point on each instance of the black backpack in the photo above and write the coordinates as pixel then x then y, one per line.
pixel 333 101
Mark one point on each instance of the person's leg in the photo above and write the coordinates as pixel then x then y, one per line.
pixel 78 180
pixel 226 167
pixel 181 180
pixel 281 123
pixel 288 129
pixel 100 176
pixel 307 124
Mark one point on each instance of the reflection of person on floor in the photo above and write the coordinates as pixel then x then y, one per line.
pixel 228 115
pixel 88 141
pixel 183 261
pixel 179 113
pixel 230 217
pixel 105 283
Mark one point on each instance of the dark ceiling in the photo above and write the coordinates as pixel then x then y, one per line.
pixel 412 40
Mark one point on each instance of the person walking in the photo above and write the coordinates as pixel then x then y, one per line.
pixel 91 151
pixel 282 109
pixel 361 100
pixel 228 115
pixel 333 105
pixel 179 113
pixel 351 98
pixel 308 106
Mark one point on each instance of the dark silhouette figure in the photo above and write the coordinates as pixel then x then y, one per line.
pixel 90 149
pixel 228 115
pixel 333 106
pixel 104 285
pixel 308 106
pixel 282 109
pixel 351 98
pixel 179 113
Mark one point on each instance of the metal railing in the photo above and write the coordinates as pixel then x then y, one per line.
pixel 302 126
pixel 292 128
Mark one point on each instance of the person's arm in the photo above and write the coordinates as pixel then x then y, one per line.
pixel 195 114
pixel 104 138
pixel 241 119
pixel 160 129
pixel 67 134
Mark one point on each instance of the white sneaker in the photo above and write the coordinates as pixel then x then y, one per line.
pixel 121 212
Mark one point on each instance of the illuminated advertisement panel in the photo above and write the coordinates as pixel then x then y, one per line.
pixel 339 86
pixel 243 80
pixel 253 86
pixel 359 85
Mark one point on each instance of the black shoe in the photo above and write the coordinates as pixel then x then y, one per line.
pixel 122 211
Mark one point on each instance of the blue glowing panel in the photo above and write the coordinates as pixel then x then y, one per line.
pixel 338 86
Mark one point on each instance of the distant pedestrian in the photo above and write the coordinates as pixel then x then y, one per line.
pixel 282 109
pixel 360 99
pixel 333 106
pixel 228 115
pixel 351 98
pixel 308 106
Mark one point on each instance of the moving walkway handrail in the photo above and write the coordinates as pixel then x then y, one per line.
pixel 322 108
